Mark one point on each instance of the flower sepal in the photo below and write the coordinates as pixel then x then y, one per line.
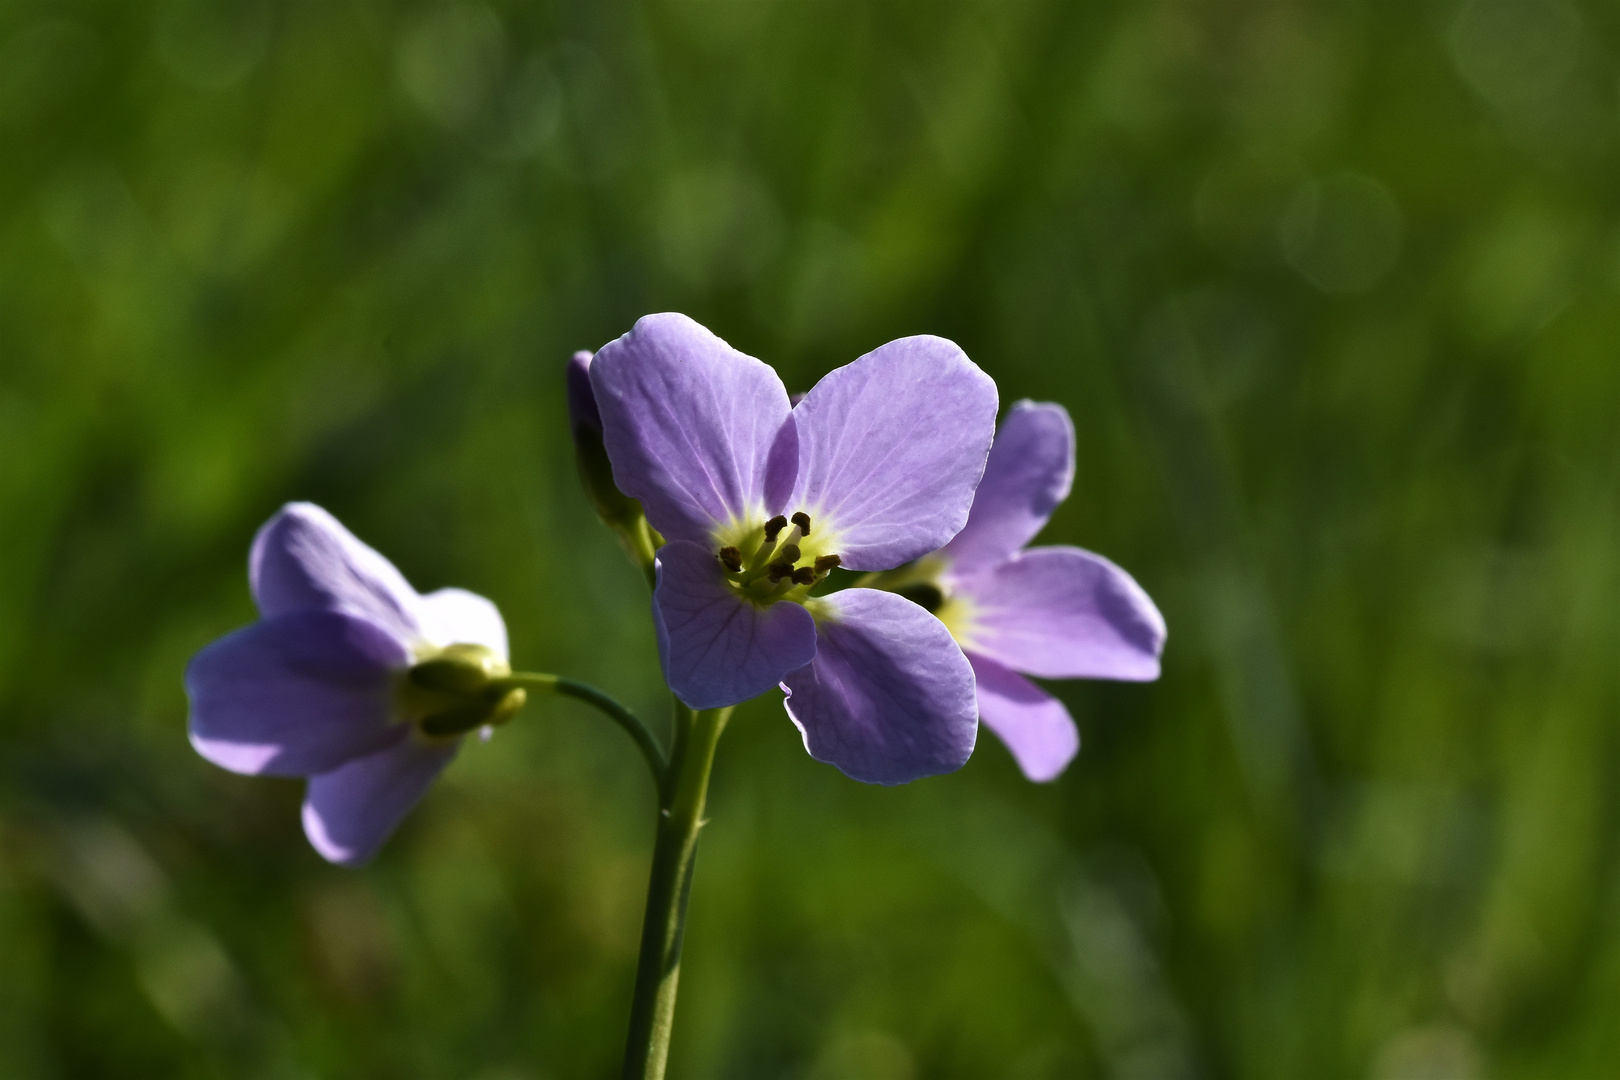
pixel 494 708
pixel 459 689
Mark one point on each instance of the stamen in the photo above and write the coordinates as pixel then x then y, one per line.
pixel 731 559
pixel 780 570
pixel 825 563
pixel 802 520
pixel 804 575
pixel 789 553
pixel 774 527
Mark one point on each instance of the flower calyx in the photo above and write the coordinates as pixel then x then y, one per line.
pixel 459 688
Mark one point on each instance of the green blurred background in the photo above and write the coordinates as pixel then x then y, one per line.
pixel 1332 291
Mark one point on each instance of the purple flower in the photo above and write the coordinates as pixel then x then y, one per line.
pixel 1053 612
pixel 758 500
pixel 350 678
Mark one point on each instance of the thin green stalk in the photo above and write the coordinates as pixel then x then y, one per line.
pixel 680 818
pixel 645 740
pixel 643 550
pixel 640 543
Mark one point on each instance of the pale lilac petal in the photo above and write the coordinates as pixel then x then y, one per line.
pixel 717 648
pixel 350 811
pixel 890 448
pixel 782 467
pixel 459 617
pixel 303 559
pixel 1030 470
pixel 1034 724
pixel 689 423
pixel 1059 612
pixel 889 696
pixel 296 694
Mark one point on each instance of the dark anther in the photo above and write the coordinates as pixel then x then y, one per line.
pixel 731 559
pixel 789 553
pixel 804 576
pixel 774 527
pixel 780 570
pixel 825 563
pixel 802 520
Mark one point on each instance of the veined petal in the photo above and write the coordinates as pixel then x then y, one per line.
pixel 1034 724
pixel 350 811
pixel 889 696
pixel 890 448
pixel 717 648
pixel 688 422
pixel 1030 471
pixel 303 559
pixel 456 616
pixel 296 694
pixel 1059 612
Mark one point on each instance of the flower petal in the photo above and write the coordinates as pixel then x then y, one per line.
pixel 1034 724
pixel 303 559
pixel 293 695
pixel 1059 612
pixel 350 811
pixel 1030 471
pixel 717 648
pixel 890 448
pixel 689 423
pixel 889 696
pixel 456 616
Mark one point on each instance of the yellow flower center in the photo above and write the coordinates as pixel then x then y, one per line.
pixel 780 559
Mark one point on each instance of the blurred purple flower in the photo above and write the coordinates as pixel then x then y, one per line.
pixel 1053 612
pixel 758 500
pixel 321 686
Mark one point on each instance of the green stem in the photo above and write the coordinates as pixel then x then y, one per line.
pixel 645 740
pixel 680 818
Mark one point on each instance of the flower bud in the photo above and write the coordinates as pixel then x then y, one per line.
pixel 595 471
pixel 582 411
